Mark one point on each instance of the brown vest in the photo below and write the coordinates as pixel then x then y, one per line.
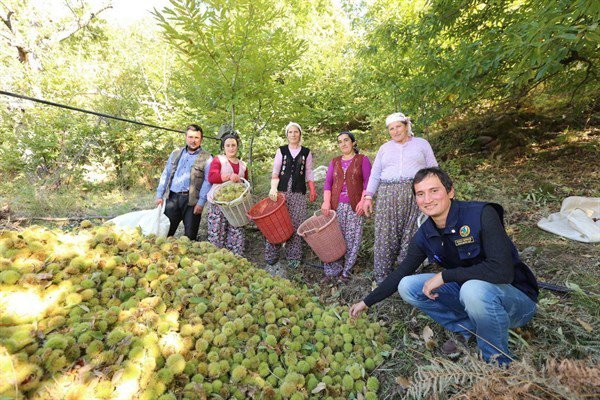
pixel 196 173
pixel 354 181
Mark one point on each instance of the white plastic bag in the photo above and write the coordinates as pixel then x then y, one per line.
pixel 320 173
pixel 578 219
pixel 155 222
pixel 150 221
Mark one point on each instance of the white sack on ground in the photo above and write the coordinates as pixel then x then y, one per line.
pixel 578 219
pixel 320 173
pixel 150 221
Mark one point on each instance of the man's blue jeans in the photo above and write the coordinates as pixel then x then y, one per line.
pixel 479 307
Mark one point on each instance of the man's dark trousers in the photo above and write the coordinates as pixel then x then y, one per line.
pixel 177 209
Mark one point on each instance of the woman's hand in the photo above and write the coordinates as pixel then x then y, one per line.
pixel 357 308
pixel 368 206
pixel 234 178
pixel 325 208
pixel 273 190
pixel 360 208
pixel 225 177
pixel 313 193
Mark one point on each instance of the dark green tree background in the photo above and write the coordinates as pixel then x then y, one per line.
pixel 259 64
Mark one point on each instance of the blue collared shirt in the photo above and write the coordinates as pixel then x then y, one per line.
pixel 181 178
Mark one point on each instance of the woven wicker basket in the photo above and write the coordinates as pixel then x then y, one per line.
pixel 324 236
pixel 235 210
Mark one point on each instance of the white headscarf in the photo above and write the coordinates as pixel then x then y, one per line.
pixel 288 126
pixel 399 117
pixel 293 124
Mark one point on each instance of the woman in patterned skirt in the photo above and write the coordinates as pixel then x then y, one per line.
pixel 225 167
pixel 345 185
pixel 394 168
pixel 292 174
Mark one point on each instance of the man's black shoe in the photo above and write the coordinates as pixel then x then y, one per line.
pixel 450 346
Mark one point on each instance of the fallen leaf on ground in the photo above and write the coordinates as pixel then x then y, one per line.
pixel 427 333
pixel 585 325
pixel 320 387
pixel 428 337
pixel 402 381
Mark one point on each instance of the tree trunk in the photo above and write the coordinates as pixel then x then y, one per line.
pixel 233 117
pixel 250 157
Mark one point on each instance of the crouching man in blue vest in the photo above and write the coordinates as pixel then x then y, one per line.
pixel 483 290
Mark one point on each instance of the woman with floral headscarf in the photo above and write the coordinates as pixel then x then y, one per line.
pixel 343 191
pixel 292 175
pixel 396 163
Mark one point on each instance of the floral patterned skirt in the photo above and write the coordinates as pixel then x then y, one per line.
pixel 396 214
pixel 222 234
pixel 352 228
pixel 296 204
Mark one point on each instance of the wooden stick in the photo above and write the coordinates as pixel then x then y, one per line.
pixel 60 218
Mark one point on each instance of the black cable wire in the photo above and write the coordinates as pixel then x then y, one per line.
pixel 20 96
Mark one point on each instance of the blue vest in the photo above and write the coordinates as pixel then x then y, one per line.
pixel 463 232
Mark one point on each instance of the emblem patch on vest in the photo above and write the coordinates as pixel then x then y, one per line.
pixel 464 231
pixel 460 242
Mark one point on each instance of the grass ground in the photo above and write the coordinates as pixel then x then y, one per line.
pixel 559 351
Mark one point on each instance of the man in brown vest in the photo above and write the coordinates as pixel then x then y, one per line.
pixel 185 182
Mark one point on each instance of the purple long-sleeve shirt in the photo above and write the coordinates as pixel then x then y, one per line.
pixel 366 172
pixel 395 160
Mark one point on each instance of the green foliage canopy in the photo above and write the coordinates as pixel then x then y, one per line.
pixel 259 64
pixel 239 53
pixel 437 57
